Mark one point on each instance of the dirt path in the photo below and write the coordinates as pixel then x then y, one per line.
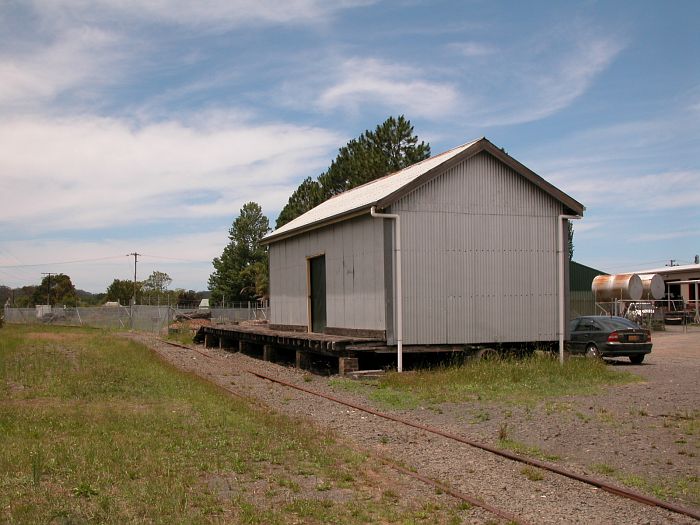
pixel 629 431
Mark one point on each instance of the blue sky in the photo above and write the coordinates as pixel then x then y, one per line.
pixel 145 126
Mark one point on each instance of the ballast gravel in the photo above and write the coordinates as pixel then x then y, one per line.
pixel 629 429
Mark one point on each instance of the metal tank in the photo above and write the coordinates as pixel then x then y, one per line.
pixel 653 284
pixel 622 286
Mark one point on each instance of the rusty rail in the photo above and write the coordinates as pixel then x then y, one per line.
pixel 472 500
pixel 596 482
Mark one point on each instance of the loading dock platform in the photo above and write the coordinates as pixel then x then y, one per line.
pixel 272 342
pixel 275 343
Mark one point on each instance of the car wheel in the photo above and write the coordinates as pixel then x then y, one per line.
pixel 593 352
pixel 637 359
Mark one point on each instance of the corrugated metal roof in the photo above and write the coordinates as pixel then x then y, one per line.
pixel 670 269
pixel 390 186
pixel 366 195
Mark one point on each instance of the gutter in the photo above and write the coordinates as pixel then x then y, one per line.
pixel 397 247
pixel 562 292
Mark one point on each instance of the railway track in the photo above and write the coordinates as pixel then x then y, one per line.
pixel 617 490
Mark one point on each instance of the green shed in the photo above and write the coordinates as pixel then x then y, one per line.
pixel 581 298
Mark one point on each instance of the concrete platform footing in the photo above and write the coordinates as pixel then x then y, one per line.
pixel 346 365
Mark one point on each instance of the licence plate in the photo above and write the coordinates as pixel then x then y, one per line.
pixel 633 338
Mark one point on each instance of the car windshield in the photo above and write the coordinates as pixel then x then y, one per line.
pixel 618 323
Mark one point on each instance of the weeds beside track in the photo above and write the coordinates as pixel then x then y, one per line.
pixel 596 482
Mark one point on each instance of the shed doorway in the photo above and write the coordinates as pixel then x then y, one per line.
pixel 317 293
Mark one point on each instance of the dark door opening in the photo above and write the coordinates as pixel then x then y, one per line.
pixel 317 293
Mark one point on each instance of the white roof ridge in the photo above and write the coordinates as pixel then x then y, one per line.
pixel 393 173
pixel 369 193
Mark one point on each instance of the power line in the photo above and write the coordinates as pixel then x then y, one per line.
pixel 174 258
pixel 25 273
pixel 94 259
pixel 13 276
pixel 61 262
pixel 636 263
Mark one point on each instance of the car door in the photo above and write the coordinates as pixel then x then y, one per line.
pixel 574 339
pixel 588 330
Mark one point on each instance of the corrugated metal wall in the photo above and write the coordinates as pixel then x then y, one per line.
pixel 354 275
pixel 479 257
pixel 581 298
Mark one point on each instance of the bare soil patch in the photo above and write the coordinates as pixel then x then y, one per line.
pixel 55 336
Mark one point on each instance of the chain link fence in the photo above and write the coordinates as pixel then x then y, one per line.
pixel 139 317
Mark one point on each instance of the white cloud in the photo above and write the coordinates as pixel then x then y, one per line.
pixel 543 77
pixel 210 13
pixel 36 76
pixel 401 88
pixel 516 82
pixel 473 49
pixel 630 193
pixel 586 226
pixel 639 166
pixel 667 235
pixel 92 172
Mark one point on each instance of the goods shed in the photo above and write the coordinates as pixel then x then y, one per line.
pixel 464 248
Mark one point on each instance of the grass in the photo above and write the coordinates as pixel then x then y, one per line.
pixel 94 428
pixel 505 441
pixel 532 473
pixel 182 336
pixel 686 488
pixel 480 416
pixel 604 468
pixel 516 380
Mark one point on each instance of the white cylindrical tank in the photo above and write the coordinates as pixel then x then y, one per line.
pixel 653 284
pixel 622 286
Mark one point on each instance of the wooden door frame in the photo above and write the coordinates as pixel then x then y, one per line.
pixel 309 321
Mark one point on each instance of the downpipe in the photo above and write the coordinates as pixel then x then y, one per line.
pixel 397 248
pixel 562 284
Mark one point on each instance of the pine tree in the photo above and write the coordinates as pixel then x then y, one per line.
pixel 305 197
pixel 235 271
pixel 391 147
pixel 570 233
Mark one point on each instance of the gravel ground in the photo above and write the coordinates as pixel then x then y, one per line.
pixel 639 432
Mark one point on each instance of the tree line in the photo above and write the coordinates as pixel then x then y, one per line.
pixel 241 272
pixel 58 289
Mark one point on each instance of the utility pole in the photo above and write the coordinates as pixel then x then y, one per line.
pixel 48 291
pixel 133 299
pixel 136 257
